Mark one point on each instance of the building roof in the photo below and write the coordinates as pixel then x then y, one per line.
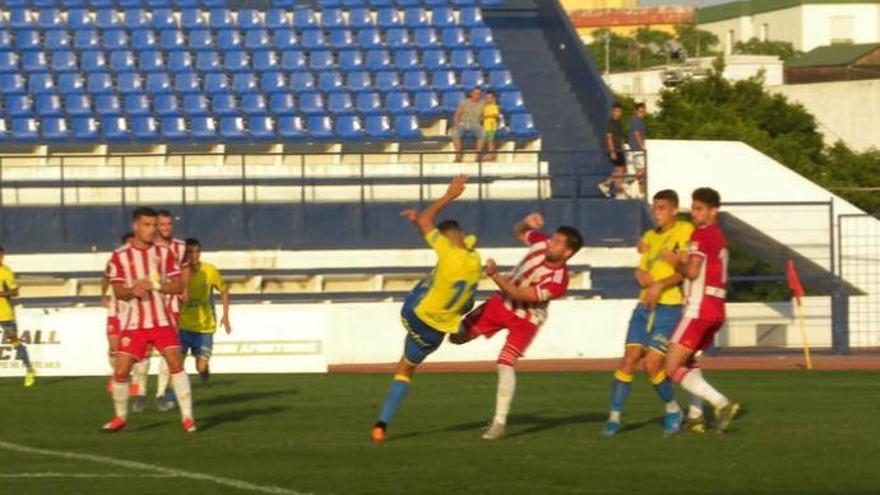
pixel 832 55
pixel 743 8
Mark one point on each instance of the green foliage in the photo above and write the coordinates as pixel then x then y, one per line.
pixel 628 53
pixel 754 46
pixel 691 37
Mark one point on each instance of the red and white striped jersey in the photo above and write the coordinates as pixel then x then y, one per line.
pixel 533 271
pixel 178 248
pixel 113 307
pixel 706 293
pixel 128 265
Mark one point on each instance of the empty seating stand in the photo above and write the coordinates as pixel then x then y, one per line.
pixel 168 71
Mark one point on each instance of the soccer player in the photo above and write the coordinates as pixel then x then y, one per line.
pixel 197 319
pixel 521 304
pixel 8 290
pixel 656 314
pixel 435 306
pixel 704 267
pixel 108 300
pixel 143 273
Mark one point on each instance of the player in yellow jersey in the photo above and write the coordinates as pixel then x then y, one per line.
pixel 198 321
pixel 491 116
pixel 435 306
pixel 8 326
pixel 660 305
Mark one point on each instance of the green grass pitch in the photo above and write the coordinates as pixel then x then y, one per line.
pixel 800 432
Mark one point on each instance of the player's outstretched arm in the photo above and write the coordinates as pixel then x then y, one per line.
pixel 424 220
pixel 533 221
pixel 224 321
pixel 521 294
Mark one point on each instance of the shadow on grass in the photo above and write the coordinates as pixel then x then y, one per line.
pixel 154 425
pixel 627 427
pixel 535 423
pixel 237 416
pixel 43 382
pixel 243 397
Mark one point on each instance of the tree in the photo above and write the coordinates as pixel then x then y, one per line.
pixel 754 46
pixel 691 38
pixel 627 53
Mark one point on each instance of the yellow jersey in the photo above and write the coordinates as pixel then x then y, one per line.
pixel 7 283
pixel 675 239
pixel 491 112
pixel 197 313
pixel 451 286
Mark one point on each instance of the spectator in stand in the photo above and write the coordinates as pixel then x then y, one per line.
pixel 491 118
pixel 614 137
pixel 638 133
pixel 468 118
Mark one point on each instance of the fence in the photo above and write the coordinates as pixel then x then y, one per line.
pixel 859 264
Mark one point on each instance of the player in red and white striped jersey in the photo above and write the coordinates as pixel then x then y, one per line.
pixel 109 301
pixel 142 274
pixel 704 267
pixel 521 303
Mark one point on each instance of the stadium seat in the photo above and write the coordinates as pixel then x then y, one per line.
pixel 85 129
pixel 249 19
pixel 406 59
pixel 129 83
pixel 415 80
pixel 293 60
pixel 265 61
pixel 80 18
pixel 93 62
pixel 261 127
pixel 114 129
pixel 107 18
pixel 273 82
pixel 173 129
pixel 21 18
pixel 500 79
pixel 369 38
pixel 151 61
pixel 180 62
pixel 165 105
pixel 257 40
pixel 304 18
pixel 453 38
pixel 77 105
pixel 34 62
pixel 332 18
pixel 187 82
pixel 220 18
pixel 358 81
pixel 8 62
pixel 49 106
pixel 340 104
pixel 192 18
pixel 481 37
pixel 378 127
pixel 254 104
pixel 512 102
pixel 112 40
pixel 6 40
pixel 291 127
pixel 12 83
pixel 172 41
pixel 321 60
pixel 137 104
pixel 216 83
pixel 237 61
pixel 107 105
pixel 522 126
pixel 285 39
pixel 369 103
pixel 144 128
pixel 398 103
pixel 41 84
pixel 25 129
pixel 195 105
pixel 28 40
pixel 163 19
pixel 203 128
pixel 341 38
pixel 490 58
pixel 228 40
pixel 311 103
pixel 415 17
pixel 443 17
pixel 387 81
pixel 470 17
pixel 57 40
pixel 320 128
pixel 208 62
pixel 387 17
pixel 301 81
pixel 122 61
pixel 397 38
pixel 425 38
pixel 136 18
pixel 434 60
pixel 19 105
pixel 143 39
pixel 245 83
pixel 444 80
pixel 463 59
pixel 379 59
pixel 407 127
pixel 313 39
pixel 472 78
pixel 158 83
pixel 224 104
pixel 360 18
pixel 282 104
pixel 201 40
pixel 349 127
pixel 88 40
pixel 451 99
pixel 277 19
pixel 351 60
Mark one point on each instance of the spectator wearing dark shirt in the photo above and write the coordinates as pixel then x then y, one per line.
pixel 638 134
pixel 614 137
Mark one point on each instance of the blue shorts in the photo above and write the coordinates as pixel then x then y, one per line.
pixel 421 339
pixel 200 344
pixel 652 330
pixel 8 332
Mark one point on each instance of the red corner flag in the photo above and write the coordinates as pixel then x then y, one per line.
pixel 794 282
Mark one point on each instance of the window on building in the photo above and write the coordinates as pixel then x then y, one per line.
pixel 765 32
pixel 842 29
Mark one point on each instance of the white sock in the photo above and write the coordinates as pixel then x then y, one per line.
pixel 672 407
pixel 164 378
pixel 506 389
pixel 614 417
pixel 695 410
pixel 139 376
pixel 694 383
pixel 180 380
pixel 120 399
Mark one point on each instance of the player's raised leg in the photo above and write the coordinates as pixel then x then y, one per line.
pixel 680 367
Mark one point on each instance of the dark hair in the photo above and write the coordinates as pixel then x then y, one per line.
pixel 143 211
pixel 667 195
pixel 491 92
pixel 573 238
pixel 192 241
pixel 640 106
pixel 616 105
pixel 164 213
pixel 126 237
pixel 708 196
pixel 447 225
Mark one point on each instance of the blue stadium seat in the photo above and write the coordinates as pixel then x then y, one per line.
pixel 262 127
pixel 19 105
pixel 203 128
pixel 158 83
pixel 313 39
pixel 8 62
pixel 78 105
pixel 201 40
pixel 341 38
pixel 415 17
pixel 166 105
pixel 358 81
pixel 291 127
pixel 93 62
pixel 397 38
pixel 55 129
pixel 277 19
pixel 41 84
pixel 522 126
pixel 224 104
pixel 163 19
pixel 500 79
pixel 349 127
pixel 387 81
pixel 191 18
pixel 481 37
pixel 415 80
pixel 444 80
pixel 172 40
pixel 229 40
pixel 237 61
pixel 6 40
pixel 28 40
pixel 57 40
pixel 490 58
pixel 180 62
pixel 115 129
pixel 273 82
pixel 330 4
pixel 220 18
pixel 398 103
pixel 282 104
pixel 257 40
pixel 304 18
pixel 320 128
pixel 187 82
pixel 443 17
pixel 136 104
pixel 512 102
pixel 216 83
pixel 369 38
pixel 330 81
pixel 151 61
pixel 245 83
pixel 425 38
pixel 145 128
pixel 265 61
pixel 195 105
pixel 340 104
pixel 406 59
pixel 173 129
pixel 301 81
pixel 254 104
pixel 472 78
pixel 387 17
pixel 351 60
pixel 434 60
pixel 122 61
pixel 49 105
pixel 491 3
pixel 71 82
pixel 136 19
pixel 80 18
pixel 405 4
pixel 107 105
pixel 21 18
pixel 451 99
pixel 186 4
pixel 321 60
pixel 293 60
pixel 85 129
pixel 360 18
pixel 107 18
pixel 462 59
pixel 332 18
pixel 250 19
pixel 378 59
pixel 283 3
pixel 379 127
pixel 311 103
pixel 285 39
pixel 34 62
pixel 369 103
pixel 12 84
pixel 25 129
pixel 116 39
pixel 407 127
pixel 208 62
pixel 454 38
pixel 470 17
pixel 464 3
pixel 143 39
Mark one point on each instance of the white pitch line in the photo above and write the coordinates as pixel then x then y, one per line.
pixel 110 461
pixel 84 475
